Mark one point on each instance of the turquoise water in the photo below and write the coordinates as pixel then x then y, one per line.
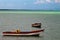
pixel 32 12
pixel 17 20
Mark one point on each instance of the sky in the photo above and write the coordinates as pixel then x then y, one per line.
pixel 30 4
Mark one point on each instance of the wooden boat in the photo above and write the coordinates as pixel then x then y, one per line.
pixel 24 33
pixel 36 25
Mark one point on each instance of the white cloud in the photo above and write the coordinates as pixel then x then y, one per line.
pixel 39 2
pixel 57 1
pixel 42 1
pixel 48 1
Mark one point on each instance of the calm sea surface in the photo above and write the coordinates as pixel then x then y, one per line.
pixel 12 21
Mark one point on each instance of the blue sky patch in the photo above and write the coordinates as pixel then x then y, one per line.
pixel 30 4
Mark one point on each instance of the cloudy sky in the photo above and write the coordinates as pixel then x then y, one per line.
pixel 30 4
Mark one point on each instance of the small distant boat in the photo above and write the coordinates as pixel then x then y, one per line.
pixel 36 25
pixel 23 33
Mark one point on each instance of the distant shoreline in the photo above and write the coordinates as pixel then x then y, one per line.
pixel 26 10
